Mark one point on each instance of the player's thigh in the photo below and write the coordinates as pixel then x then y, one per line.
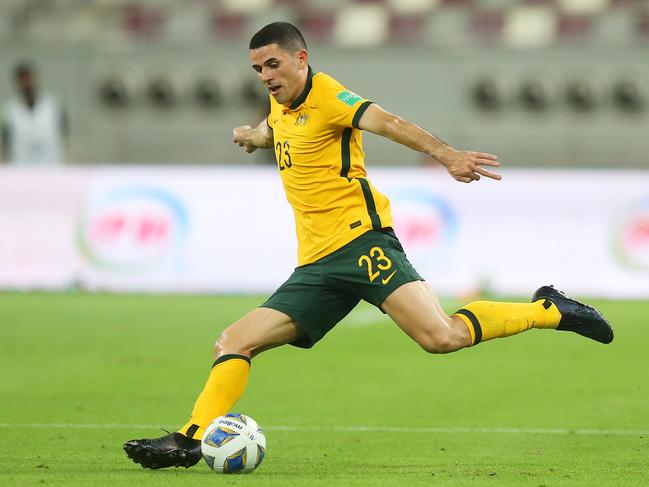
pixel 415 308
pixel 259 330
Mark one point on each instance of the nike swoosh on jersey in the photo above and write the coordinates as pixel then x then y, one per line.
pixel 387 279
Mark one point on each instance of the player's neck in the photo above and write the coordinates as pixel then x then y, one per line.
pixel 303 89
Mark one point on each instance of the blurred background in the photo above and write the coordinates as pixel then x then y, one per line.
pixel 538 82
pixel 151 196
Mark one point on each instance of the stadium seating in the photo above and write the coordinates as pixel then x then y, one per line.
pixel 358 23
pixel 154 80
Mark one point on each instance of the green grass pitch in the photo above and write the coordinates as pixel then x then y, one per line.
pixel 80 374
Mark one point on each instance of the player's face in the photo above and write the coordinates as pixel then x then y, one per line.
pixel 280 71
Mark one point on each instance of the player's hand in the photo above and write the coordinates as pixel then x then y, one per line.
pixel 243 136
pixel 467 166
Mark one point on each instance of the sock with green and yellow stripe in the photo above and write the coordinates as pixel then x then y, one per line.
pixel 489 319
pixel 224 387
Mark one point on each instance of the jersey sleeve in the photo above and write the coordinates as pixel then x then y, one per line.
pixel 344 107
pixel 271 116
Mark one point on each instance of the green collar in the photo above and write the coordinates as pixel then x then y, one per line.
pixel 300 99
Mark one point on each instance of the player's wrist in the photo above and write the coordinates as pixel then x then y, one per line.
pixel 443 153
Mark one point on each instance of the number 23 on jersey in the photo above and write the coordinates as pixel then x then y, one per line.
pixel 283 154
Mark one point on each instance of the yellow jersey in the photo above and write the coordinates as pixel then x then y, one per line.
pixel 319 153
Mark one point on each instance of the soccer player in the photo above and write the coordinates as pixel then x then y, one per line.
pixel 347 250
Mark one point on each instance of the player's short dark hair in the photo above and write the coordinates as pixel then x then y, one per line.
pixel 23 68
pixel 285 35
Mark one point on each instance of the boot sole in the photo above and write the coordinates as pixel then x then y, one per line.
pixel 150 458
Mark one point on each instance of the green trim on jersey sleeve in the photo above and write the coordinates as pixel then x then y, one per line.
pixel 359 113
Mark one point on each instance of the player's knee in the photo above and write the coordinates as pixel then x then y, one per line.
pixel 436 343
pixel 230 343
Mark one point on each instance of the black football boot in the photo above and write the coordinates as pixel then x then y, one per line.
pixel 575 316
pixel 171 450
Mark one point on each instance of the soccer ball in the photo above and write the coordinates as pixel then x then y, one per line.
pixel 233 443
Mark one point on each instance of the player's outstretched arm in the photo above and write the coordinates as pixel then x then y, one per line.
pixel 464 166
pixel 251 139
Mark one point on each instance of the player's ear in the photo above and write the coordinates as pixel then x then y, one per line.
pixel 302 58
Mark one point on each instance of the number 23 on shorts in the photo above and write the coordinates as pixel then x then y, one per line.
pixel 383 263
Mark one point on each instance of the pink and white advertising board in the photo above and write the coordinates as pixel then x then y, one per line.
pixel 230 230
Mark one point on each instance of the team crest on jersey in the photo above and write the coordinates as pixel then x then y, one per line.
pixel 302 119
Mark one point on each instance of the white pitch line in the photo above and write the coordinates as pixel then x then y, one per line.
pixel 355 429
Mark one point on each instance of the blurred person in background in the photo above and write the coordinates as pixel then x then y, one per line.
pixel 34 125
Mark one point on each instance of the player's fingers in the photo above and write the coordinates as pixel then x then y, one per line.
pixel 238 133
pixel 485 155
pixel 488 174
pixel 488 162
pixel 463 179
